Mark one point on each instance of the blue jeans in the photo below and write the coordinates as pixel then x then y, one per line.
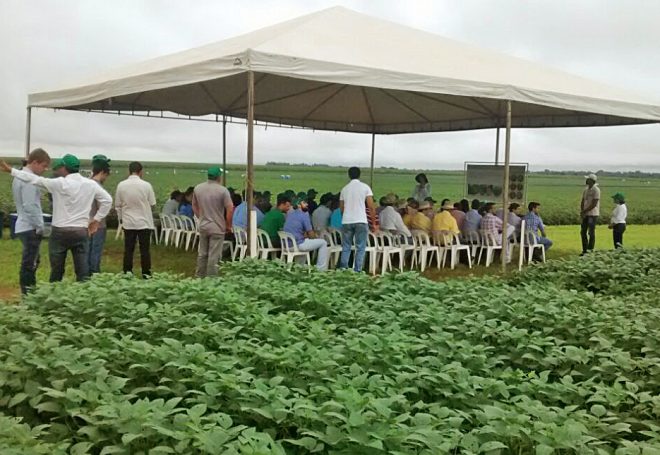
pixel 351 232
pixel 30 259
pixel 96 243
pixel 546 242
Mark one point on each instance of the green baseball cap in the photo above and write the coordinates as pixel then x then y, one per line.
pixel 100 159
pixel 214 172
pixel 71 163
pixel 56 163
pixel 619 196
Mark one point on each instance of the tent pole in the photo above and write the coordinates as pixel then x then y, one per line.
pixel 249 190
pixel 28 132
pixel 373 150
pixel 224 150
pixel 497 146
pixel 505 189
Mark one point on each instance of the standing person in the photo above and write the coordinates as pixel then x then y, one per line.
pixel 589 212
pixel 100 173
pixel 30 222
pixel 618 220
pixel 422 189
pixel 73 196
pixel 354 200
pixel 212 204
pixel 534 224
pixel 299 225
pixel 134 202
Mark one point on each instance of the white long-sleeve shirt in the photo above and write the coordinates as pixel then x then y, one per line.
pixel 391 220
pixel 73 196
pixel 27 198
pixel 134 200
pixel 619 214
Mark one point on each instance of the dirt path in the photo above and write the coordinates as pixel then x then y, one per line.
pixel 8 294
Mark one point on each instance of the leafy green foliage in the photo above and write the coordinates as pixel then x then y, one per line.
pixel 265 360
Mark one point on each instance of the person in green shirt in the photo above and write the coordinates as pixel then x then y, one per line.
pixel 274 218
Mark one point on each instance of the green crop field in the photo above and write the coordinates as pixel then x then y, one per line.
pixel 558 194
pixel 562 359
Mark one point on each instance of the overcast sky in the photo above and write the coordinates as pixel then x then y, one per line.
pixel 51 44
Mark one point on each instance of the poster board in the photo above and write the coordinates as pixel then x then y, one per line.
pixel 485 182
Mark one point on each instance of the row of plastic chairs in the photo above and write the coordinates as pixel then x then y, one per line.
pixel 179 231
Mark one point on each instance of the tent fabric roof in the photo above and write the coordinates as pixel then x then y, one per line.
pixel 337 69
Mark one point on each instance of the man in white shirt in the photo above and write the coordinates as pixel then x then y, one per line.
pixel 134 202
pixel 321 216
pixel 30 222
pixel 73 196
pixel 354 200
pixel 390 219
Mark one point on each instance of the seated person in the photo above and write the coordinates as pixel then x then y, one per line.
pixel 459 215
pixel 444 222
pixel 472 218
pixel 299 225
pixel 171 207
pixel 534 224
pixel 421 220
pixel 322 214
pixel 274 219
pixel 490 224
pixel 240 215
pixel 514 219
pixel 185 208
pixel 389 219
pixel 335 218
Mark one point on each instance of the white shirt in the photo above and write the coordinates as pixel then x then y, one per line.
pixel 321 218
pixel 354 196
pixel 391 220
pixel 619 214
pixel 421 192
pixel 27 198
pixel 73 196
pixel 133 201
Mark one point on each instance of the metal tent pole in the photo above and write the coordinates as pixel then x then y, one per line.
pixel 28 132
pixel 249 190
pixel 224 150
pixel 373 150
pixel 497 146
pixel 505 190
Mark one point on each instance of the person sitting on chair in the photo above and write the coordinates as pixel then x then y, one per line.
pixel 299 225
pixel 534 224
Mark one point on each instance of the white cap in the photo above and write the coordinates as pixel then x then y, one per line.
pixel 593 177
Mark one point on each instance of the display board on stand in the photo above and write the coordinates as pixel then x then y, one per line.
pixel 485 182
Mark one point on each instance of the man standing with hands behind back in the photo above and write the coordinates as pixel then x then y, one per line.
pixel 134 202
pixel 589 212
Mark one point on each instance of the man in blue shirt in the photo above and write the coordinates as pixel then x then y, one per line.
pixel 299 225
pixel 240 215
pixel 472 218
pixel 30 221
pixel 534 225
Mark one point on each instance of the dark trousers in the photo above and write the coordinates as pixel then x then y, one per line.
pixel 131 236
pixel 30 259
pixel 617 234
pixel 63 240
pixel 588 233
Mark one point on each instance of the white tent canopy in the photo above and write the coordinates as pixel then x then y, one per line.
pixel 341 70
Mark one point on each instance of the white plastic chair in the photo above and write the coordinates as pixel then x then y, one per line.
pixel 120 231
pixel 533 244
pixel 334 250
pixel 177 230
pixel 473 239
pixel 427 250
pixel 407 245
pixel 374 250
pixel 452 242
pixel 240 249
pixel 189 230
pixel 265 245
pixel 166 228
pixel 290 249
pixel 489 243
pixel 390 247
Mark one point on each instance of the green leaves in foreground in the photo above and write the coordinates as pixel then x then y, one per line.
pixel 268 361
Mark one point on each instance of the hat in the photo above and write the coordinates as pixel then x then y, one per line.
pixel 312 191
pixel 214 172
pixel 619 196
pixel 448 206
pixel 100 159
pixel 56 163
pixel 390 198
pixel 430 199
pixel 593 177
pixel 425 205
pixel 71 163
pixel 402 204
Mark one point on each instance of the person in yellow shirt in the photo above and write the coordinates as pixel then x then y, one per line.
pixel 421 220
pixel 411 211
pixel 444 221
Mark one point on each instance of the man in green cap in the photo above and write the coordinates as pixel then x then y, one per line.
pixel 618 220
pixel 100 173
pixel 213 207
pixel 73 196
pixel 57 166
